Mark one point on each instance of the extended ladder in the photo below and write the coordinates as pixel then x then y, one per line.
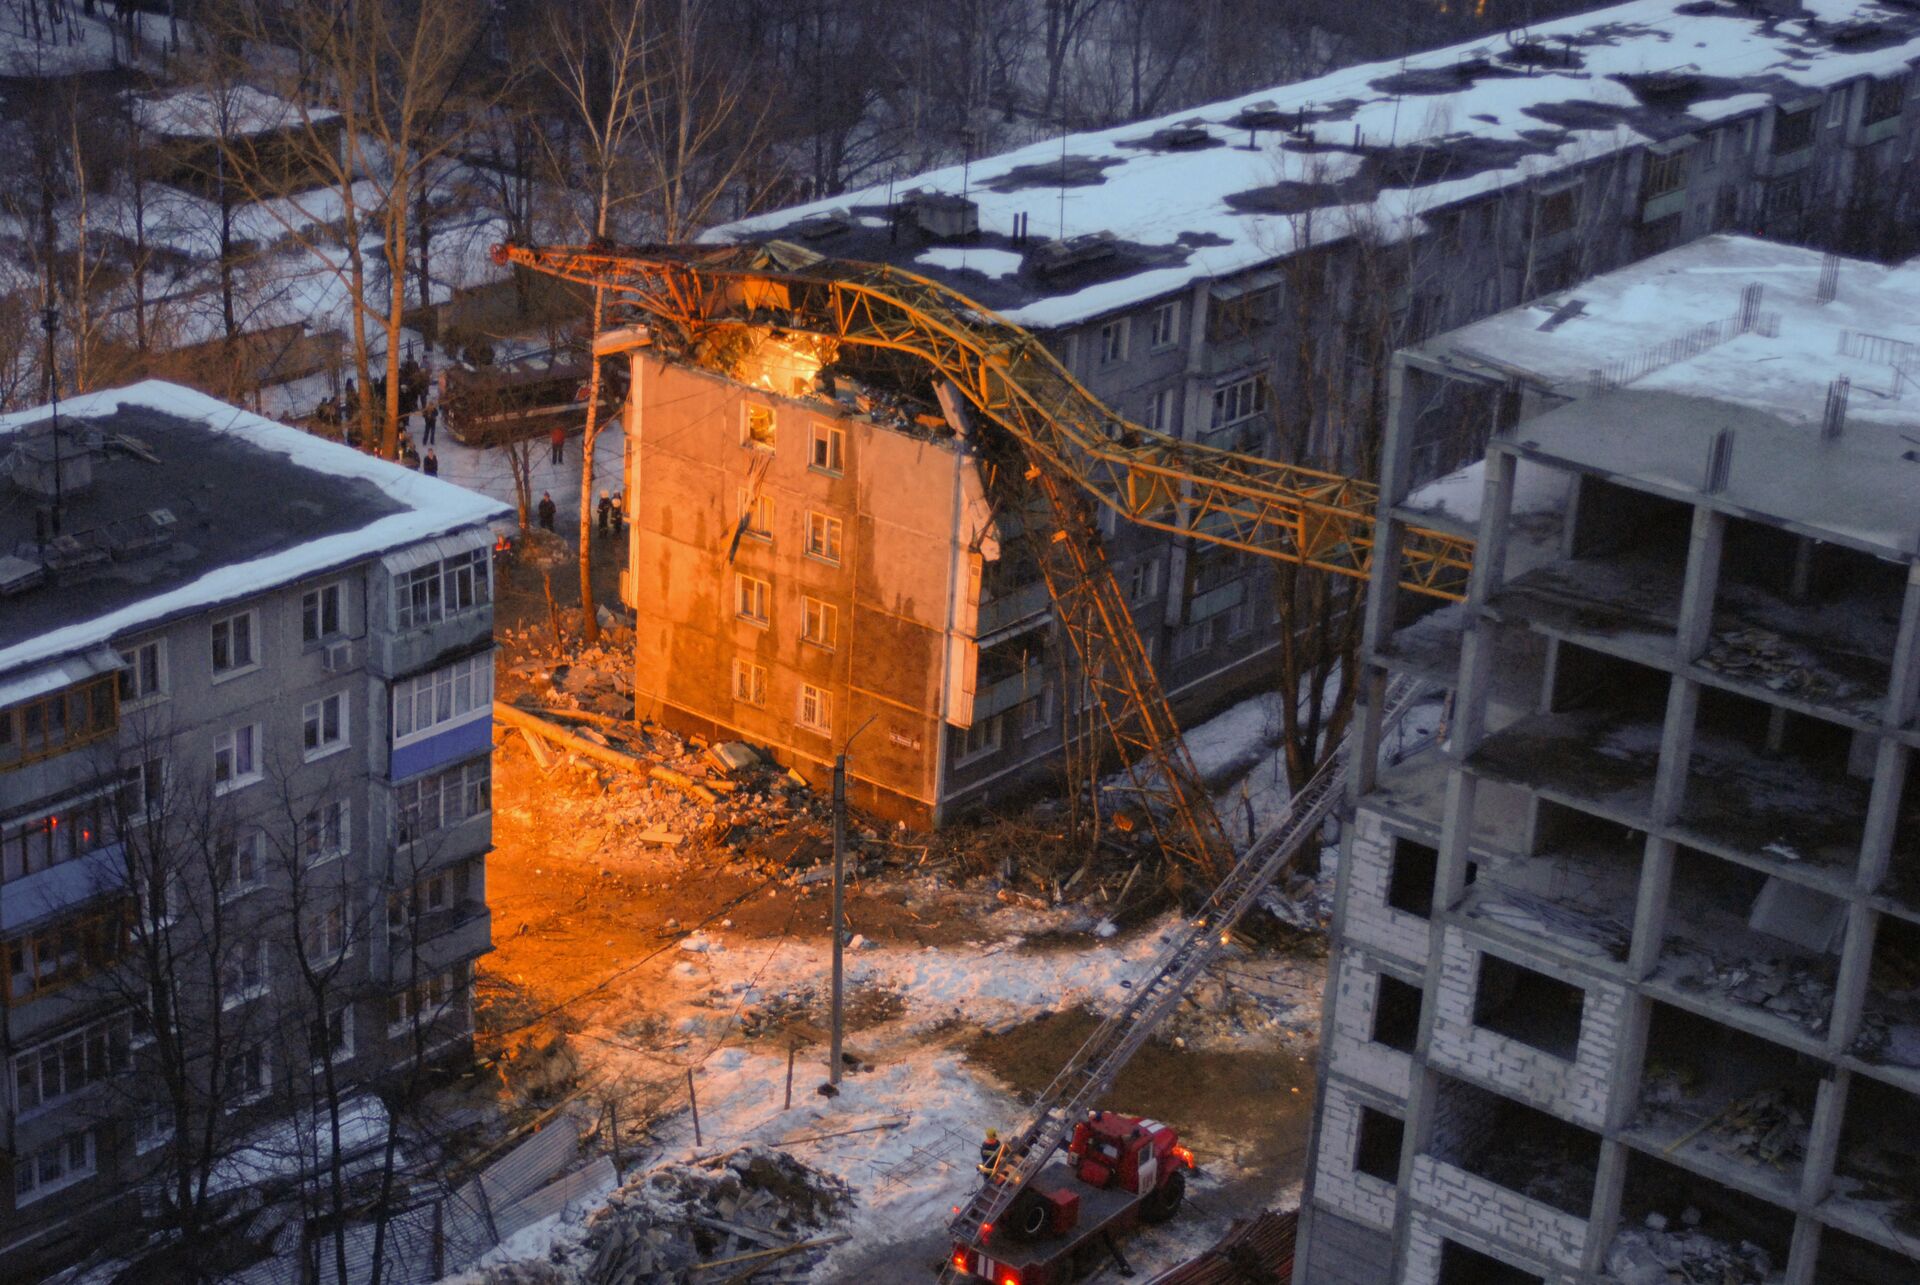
pixel 1091 1070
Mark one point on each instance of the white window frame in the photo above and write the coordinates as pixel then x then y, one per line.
pixel 749 682
pixel 426 1001
pixel 826 537
pixel 1836 113
pixel 1115 336
pixel 757 509
pixel 253 1092
pixel 981 739
pixel 815 710
pixel 137 694
pixel 343 1050
pixel 314 724
pixel 1710 151
pixel 326 831
pixel 93 1047
pixel 827 449
pixel 1143 581
pixel 1163 412
pixel 452 694
pixel 751 440
pixel 151 1128
pixel 314 603
pixel 1237 402
pixel 255 977
pixel 247 736
pixel 442 799
pixel 752 600
pixel 226 624
pixel 71 1174
pixel 245 852
pixel 443 585
pixel 326 934
pixel 1165 331
pixel 819 623
pixel 1036 712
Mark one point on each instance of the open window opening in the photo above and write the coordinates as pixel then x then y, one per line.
pixel 1376 1151
pixel 1577 888
pixel 1463 1265
pixel 1753 940
pixel 1903 871
pixel 1712 1231
pixel 1527 1151
pixel 1396 1013
pixel 1527 1005
pixel 1849 1260
pixel 1877 1168
pixel 1410 881
pixel 1774 783
pixel 1890 1026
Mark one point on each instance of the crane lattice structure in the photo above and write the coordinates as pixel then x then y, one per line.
pixel 1079 454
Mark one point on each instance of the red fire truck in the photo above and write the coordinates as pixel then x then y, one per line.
pixel 1117 1171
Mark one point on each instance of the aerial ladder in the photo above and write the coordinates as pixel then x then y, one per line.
pixel 1078 454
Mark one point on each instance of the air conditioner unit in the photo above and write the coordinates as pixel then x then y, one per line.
pixel 338 657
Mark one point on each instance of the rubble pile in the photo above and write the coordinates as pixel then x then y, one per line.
pixel 1659 1253
pixel 1799 990
pixel 1763 656
pixel 685 1223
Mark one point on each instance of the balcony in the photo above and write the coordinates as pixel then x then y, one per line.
pixel 1663 206
pixel 47 893
pixel 1782 164
pixel 1015 611
pixel 444 938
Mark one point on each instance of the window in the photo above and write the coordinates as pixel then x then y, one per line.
pixel 152 1129
pixel 324 832
pixel 749 683
pixel 980 740
pixel 1036 713
pixel 823 537
pixel 1238 402
pixel 145 677
pixel 1191 640
pixel 1163 412
pixel 1837 106
pixel 320 614
pixel 324 934
pixel 236 758
pixel 1143 580
pixel 53 1167
pixel 63 952
pixel 233 644
pixel 816 709
pixel 829 448
pixel 1553 212
pixel 442 800
pixel 1885 100
pixel 61 721
pixel 1113 341
pixel 1710 151
pixel 1396 1013
pixel 243 974
pixel 1242 315
pixel 441 590
pixel 249 1075
pixel 1165 331
pixel 426 702
pixel 1537 1010
pixel 750 599
pixel 1411 883
pixel 332 1037
pixel 423 1002
pixel 429 896
pixel 756 429
pixel 755 515
pixel 821 622
pixel 240 862
pixel 1792 131
pixel 65 834
pixel 59 1068
pixel 1664 174
pixel 1376 1151
pixel 1748 128
pixel 325 723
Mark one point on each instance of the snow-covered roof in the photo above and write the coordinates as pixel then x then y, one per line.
pixel 254 505
pixel 1675 366
pixel 232 113
pixel 1220 189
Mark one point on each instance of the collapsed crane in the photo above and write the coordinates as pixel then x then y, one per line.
pixel 1079 454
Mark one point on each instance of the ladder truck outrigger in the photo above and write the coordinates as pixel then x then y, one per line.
pixel 1035 1220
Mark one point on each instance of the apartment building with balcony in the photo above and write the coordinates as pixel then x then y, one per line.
pixel 1623 977
pixel 245 726
pixel 1239 274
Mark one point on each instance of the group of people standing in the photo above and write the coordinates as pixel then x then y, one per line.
pixel 610 519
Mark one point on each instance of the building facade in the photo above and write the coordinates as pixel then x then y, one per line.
pixel 1239 276
pixel 245 726
pixel 1622 978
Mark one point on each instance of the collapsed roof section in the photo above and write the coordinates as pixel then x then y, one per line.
pixel 1213 191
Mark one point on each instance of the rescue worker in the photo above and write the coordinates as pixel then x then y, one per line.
pixel 990 1152
pixel 604 514
pixel 620 514
pixel 546 510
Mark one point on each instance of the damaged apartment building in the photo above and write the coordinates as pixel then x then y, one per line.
pixel 1625 981
pixel 1235 276
pixel 245 745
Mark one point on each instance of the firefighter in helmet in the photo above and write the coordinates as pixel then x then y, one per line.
pixel 991 1150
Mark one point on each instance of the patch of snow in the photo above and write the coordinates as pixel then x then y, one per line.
pixel 987 262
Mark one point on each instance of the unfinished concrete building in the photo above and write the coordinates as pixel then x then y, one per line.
pixel 1234 276
pixel 1626 977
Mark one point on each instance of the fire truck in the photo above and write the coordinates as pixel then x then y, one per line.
pixel 1116 1172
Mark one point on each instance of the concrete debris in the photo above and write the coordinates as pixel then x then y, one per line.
pixel 1653 1255
pixel 660 836
pixel 733 756
pixel 1759 655
pixel 685 1223
pixel 1800 990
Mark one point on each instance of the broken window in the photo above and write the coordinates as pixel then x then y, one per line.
pixel 1540 1011
pixel 1665 174
pixel 758 428
pixel 755 514
pixel 1410 883
pixel 816 709
pixel 829 448
pixel 750 598
pixel 1554 212
pixel 1396 1013
pixel 823 537
pixel 1792 131
pixel 749 682
pixel 820 622
pixel 1376 1151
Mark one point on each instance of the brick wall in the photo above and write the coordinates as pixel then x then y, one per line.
pixel 1354 1052
pixel 1343 1252
pixel 1336 1185
pixel 1504 1217
pixel 1369 920
pixel 1576 1090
